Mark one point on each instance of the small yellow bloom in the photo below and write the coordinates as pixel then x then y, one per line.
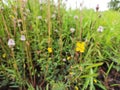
pixel 78 44
pixel 50 50
pixel 12 17
pixel 68 58
pixel 77 49
pixel 49 58
pixel 24 66
pixel 71 73
pixel 80 47
pixel 4 55
pixel 15 66
pixel 95 81
pixel 76 88
pixel 80 68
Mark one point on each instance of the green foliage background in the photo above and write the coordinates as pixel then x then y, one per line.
pixel 30 65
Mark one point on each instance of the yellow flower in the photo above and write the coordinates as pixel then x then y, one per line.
pixel 95 81
pixel 80 68
pixel 68 58
pixel 15 66
pixel 77 49
pixel 11 16
pixel 50 50
pixel 80 47
pixel 71 73
pixel 4 55
pixel 49 58
pixel 24 65
pixel 76 88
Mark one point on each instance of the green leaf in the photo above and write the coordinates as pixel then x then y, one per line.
pixel 94 65
pixel 89 76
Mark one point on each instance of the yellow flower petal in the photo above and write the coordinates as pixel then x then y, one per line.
pixel 50 50
pixel 24 65
pixel 15 66
pixel 83 43
pixel 4 55
pixel 77 49
pixel 80 47
pixel 95 81
pixel 76 88
pixel 68 58
pixel 71 73
pixel 78 44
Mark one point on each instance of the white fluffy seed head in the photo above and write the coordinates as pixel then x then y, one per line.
pixel 39 17
pixel 64 59
pixel 72 30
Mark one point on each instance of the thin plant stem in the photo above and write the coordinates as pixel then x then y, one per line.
pixel 5 25
pixel 15 66
pixel 59 24
pixel 27 48
pixel 49 24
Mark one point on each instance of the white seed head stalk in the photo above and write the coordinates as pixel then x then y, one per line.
pixel 72 30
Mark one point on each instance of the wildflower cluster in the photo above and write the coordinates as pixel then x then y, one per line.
pixel 11 42
pixel 42 44
pixel 80 47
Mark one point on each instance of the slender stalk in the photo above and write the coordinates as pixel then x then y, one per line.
pixel 15 66
pixel 49 24
pixel 27 48
pixel 59 24
pixel 22 17
pixel 81 31
pixel 14 21
pixel 5 25
pixel 49 31
pixel 29 62
pixel 2 45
